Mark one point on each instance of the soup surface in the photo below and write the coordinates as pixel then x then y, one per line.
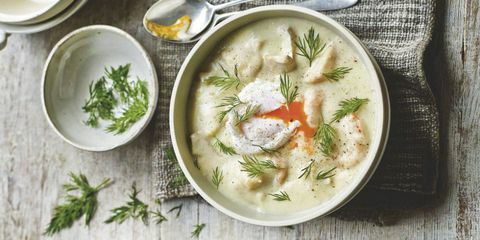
pixel 281 115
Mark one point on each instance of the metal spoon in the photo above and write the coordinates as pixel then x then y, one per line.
pixel 203 15
pixel 201 12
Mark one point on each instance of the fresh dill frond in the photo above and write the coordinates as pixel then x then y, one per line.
pixel 179 179
pixel 282 196
pixel 134 208
pixel 100 104
pixel 289 93
pixel 266 150
pixel 309 45
pixel 119 77
pixel 326 174
pixel 254 167
pixel 223 148
pixel 217 177
pixel 348 106
pixel 137 109
pixel 225 82
pixel 307 170
pixel 158 217
pixel 337 73
pixel 325 136
pixel 229 103
pixel 177 208
pixel 247 114
pixel 197 230
pixel 75 206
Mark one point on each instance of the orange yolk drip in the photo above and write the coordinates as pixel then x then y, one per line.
pixel 170 32
pixel 292 113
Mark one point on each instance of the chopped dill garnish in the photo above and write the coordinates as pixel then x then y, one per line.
pixel 177 208
pixel 225 82
pixel 135 208
pixel 326 174
pixel 348 106
pixel 249 112
pixel 337 73
pixel 197 230
pixel 289 93
pixel 307 170
pixel 100 104
pixel 266 150
pixel 282 196
pixel 309 45
pixel 75 207
pixel 223 148
pixel 254 167
pixel 217 177
pixel 158 217
pixel 229 103
pixel 325 136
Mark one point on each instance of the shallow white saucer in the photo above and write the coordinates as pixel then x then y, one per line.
pixel 77 60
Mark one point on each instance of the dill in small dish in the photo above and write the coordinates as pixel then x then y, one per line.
pixel 281 115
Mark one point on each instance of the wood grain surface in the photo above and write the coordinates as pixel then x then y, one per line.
pixel 34 162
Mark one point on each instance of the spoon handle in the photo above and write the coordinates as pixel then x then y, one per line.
pixel 229 4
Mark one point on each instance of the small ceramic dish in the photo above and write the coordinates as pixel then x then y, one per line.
pixel 24 12
pixel 80 58
pixel 179 117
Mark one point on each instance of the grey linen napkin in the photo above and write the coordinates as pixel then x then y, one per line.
pixel 397 34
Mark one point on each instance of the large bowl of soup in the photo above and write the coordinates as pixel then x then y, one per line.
pixel 279 115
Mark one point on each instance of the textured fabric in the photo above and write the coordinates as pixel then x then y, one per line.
pixel 396 33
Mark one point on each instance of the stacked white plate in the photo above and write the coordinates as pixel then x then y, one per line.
pixel 31 16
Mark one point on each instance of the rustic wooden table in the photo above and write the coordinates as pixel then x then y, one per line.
pixel 34 162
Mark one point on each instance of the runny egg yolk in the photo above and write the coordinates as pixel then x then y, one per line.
pixel 293 112
pixel 170 32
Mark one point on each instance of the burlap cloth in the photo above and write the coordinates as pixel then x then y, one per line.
pixel 397 34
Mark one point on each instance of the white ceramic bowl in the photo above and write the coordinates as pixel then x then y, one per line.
pixel 77 60
pixel 180 132
pixel 24 12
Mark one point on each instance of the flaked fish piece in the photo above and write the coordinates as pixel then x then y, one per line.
pixel 322 64
pixel 247 58
pixel 313 99
pixel 285 60
pixel 354 145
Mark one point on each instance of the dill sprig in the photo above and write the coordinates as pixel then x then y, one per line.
pixel 137 109
pixel 289 93
pixel 177 208
pixel 75 206
pixel 337 73
pixel 100 104
pixel 309 45
pixel 217 177
pixel 225 82
pixel 307 170
pixel 158 217
pixel 223 148
pixel 229 103
pixel 266 150
pixel 135 208
pixel 326 174
pixel 348 106
pixel 197 230
pixel 247 114
pixel 254 167
pixel 282 196
pixel 179 179
pixel 325 136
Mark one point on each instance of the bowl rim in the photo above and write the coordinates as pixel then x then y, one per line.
pixel 14 18
pixel 360 182
pixel 154 83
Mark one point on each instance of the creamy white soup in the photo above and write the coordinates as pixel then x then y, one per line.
pixel 281 115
